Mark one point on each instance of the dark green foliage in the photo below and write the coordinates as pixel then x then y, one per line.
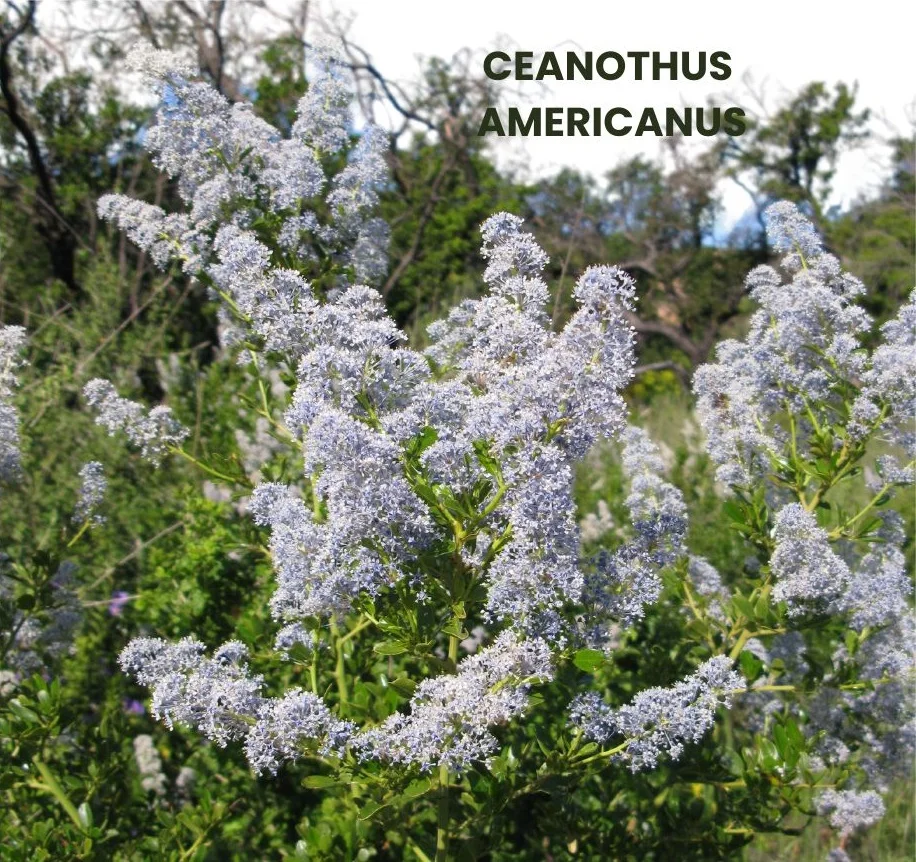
pixel 877 238
pixel 440 198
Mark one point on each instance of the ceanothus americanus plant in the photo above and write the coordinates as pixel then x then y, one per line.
pixel 435 496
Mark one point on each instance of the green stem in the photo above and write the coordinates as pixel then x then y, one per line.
pixel 316 500
pixel 51 785
pixel 355 630
pixel 79 534
pixel 609 752
pixel 418 852
pixel 313 670
pixel 688 594
pixel 839 531
pixel 743 638
pixel 491 506
pixel 11 638
pixel 235 480
pixel 442 835
pixel 340 671
pixel 442 825
pixel 234 306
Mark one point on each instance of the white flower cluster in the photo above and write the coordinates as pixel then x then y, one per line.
pixel 149 765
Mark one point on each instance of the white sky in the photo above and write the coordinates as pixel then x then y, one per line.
pixel 781 44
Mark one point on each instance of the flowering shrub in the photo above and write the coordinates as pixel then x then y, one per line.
pixel 447 646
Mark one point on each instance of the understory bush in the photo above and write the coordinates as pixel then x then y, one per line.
pixel 454 603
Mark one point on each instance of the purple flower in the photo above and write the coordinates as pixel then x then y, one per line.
pixel 119 599
pixel 133 707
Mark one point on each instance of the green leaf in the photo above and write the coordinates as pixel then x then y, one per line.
pixel 300 654
pixel 23 712
pixel 403 685
pixel 733 511
pixel 454 629
pixel 390 648
pixel 823 469
pixel 487 461
pixel 751 666
pixel 417 788
pixel 782 740
pixel 768 755
pixel 370 809
pixel 85 815
pixel 744 606
pixel 26 601
pixel 795 735
pixel 588 660
pixel 319 782
pixel 852 641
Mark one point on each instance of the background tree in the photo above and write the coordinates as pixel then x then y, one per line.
pixel 791 152
pixel 877 236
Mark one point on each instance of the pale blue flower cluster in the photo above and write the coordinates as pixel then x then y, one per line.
pixel 448 723
pixel 622 582
pixel 849 810
pixel 288 724
pixel 93 485
pixel 473 443
pixel 789 230
pixel 510 409
pixel 706 580
pixel 803 342
pixel 660 721
pixel 451 715
pixel 656 507
pixel 245 185
pixel 809 574
pixel 879 722
pixel 216 695
pixel 153 431
pixel 37 638
pixel 12 344
pixel 888 386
